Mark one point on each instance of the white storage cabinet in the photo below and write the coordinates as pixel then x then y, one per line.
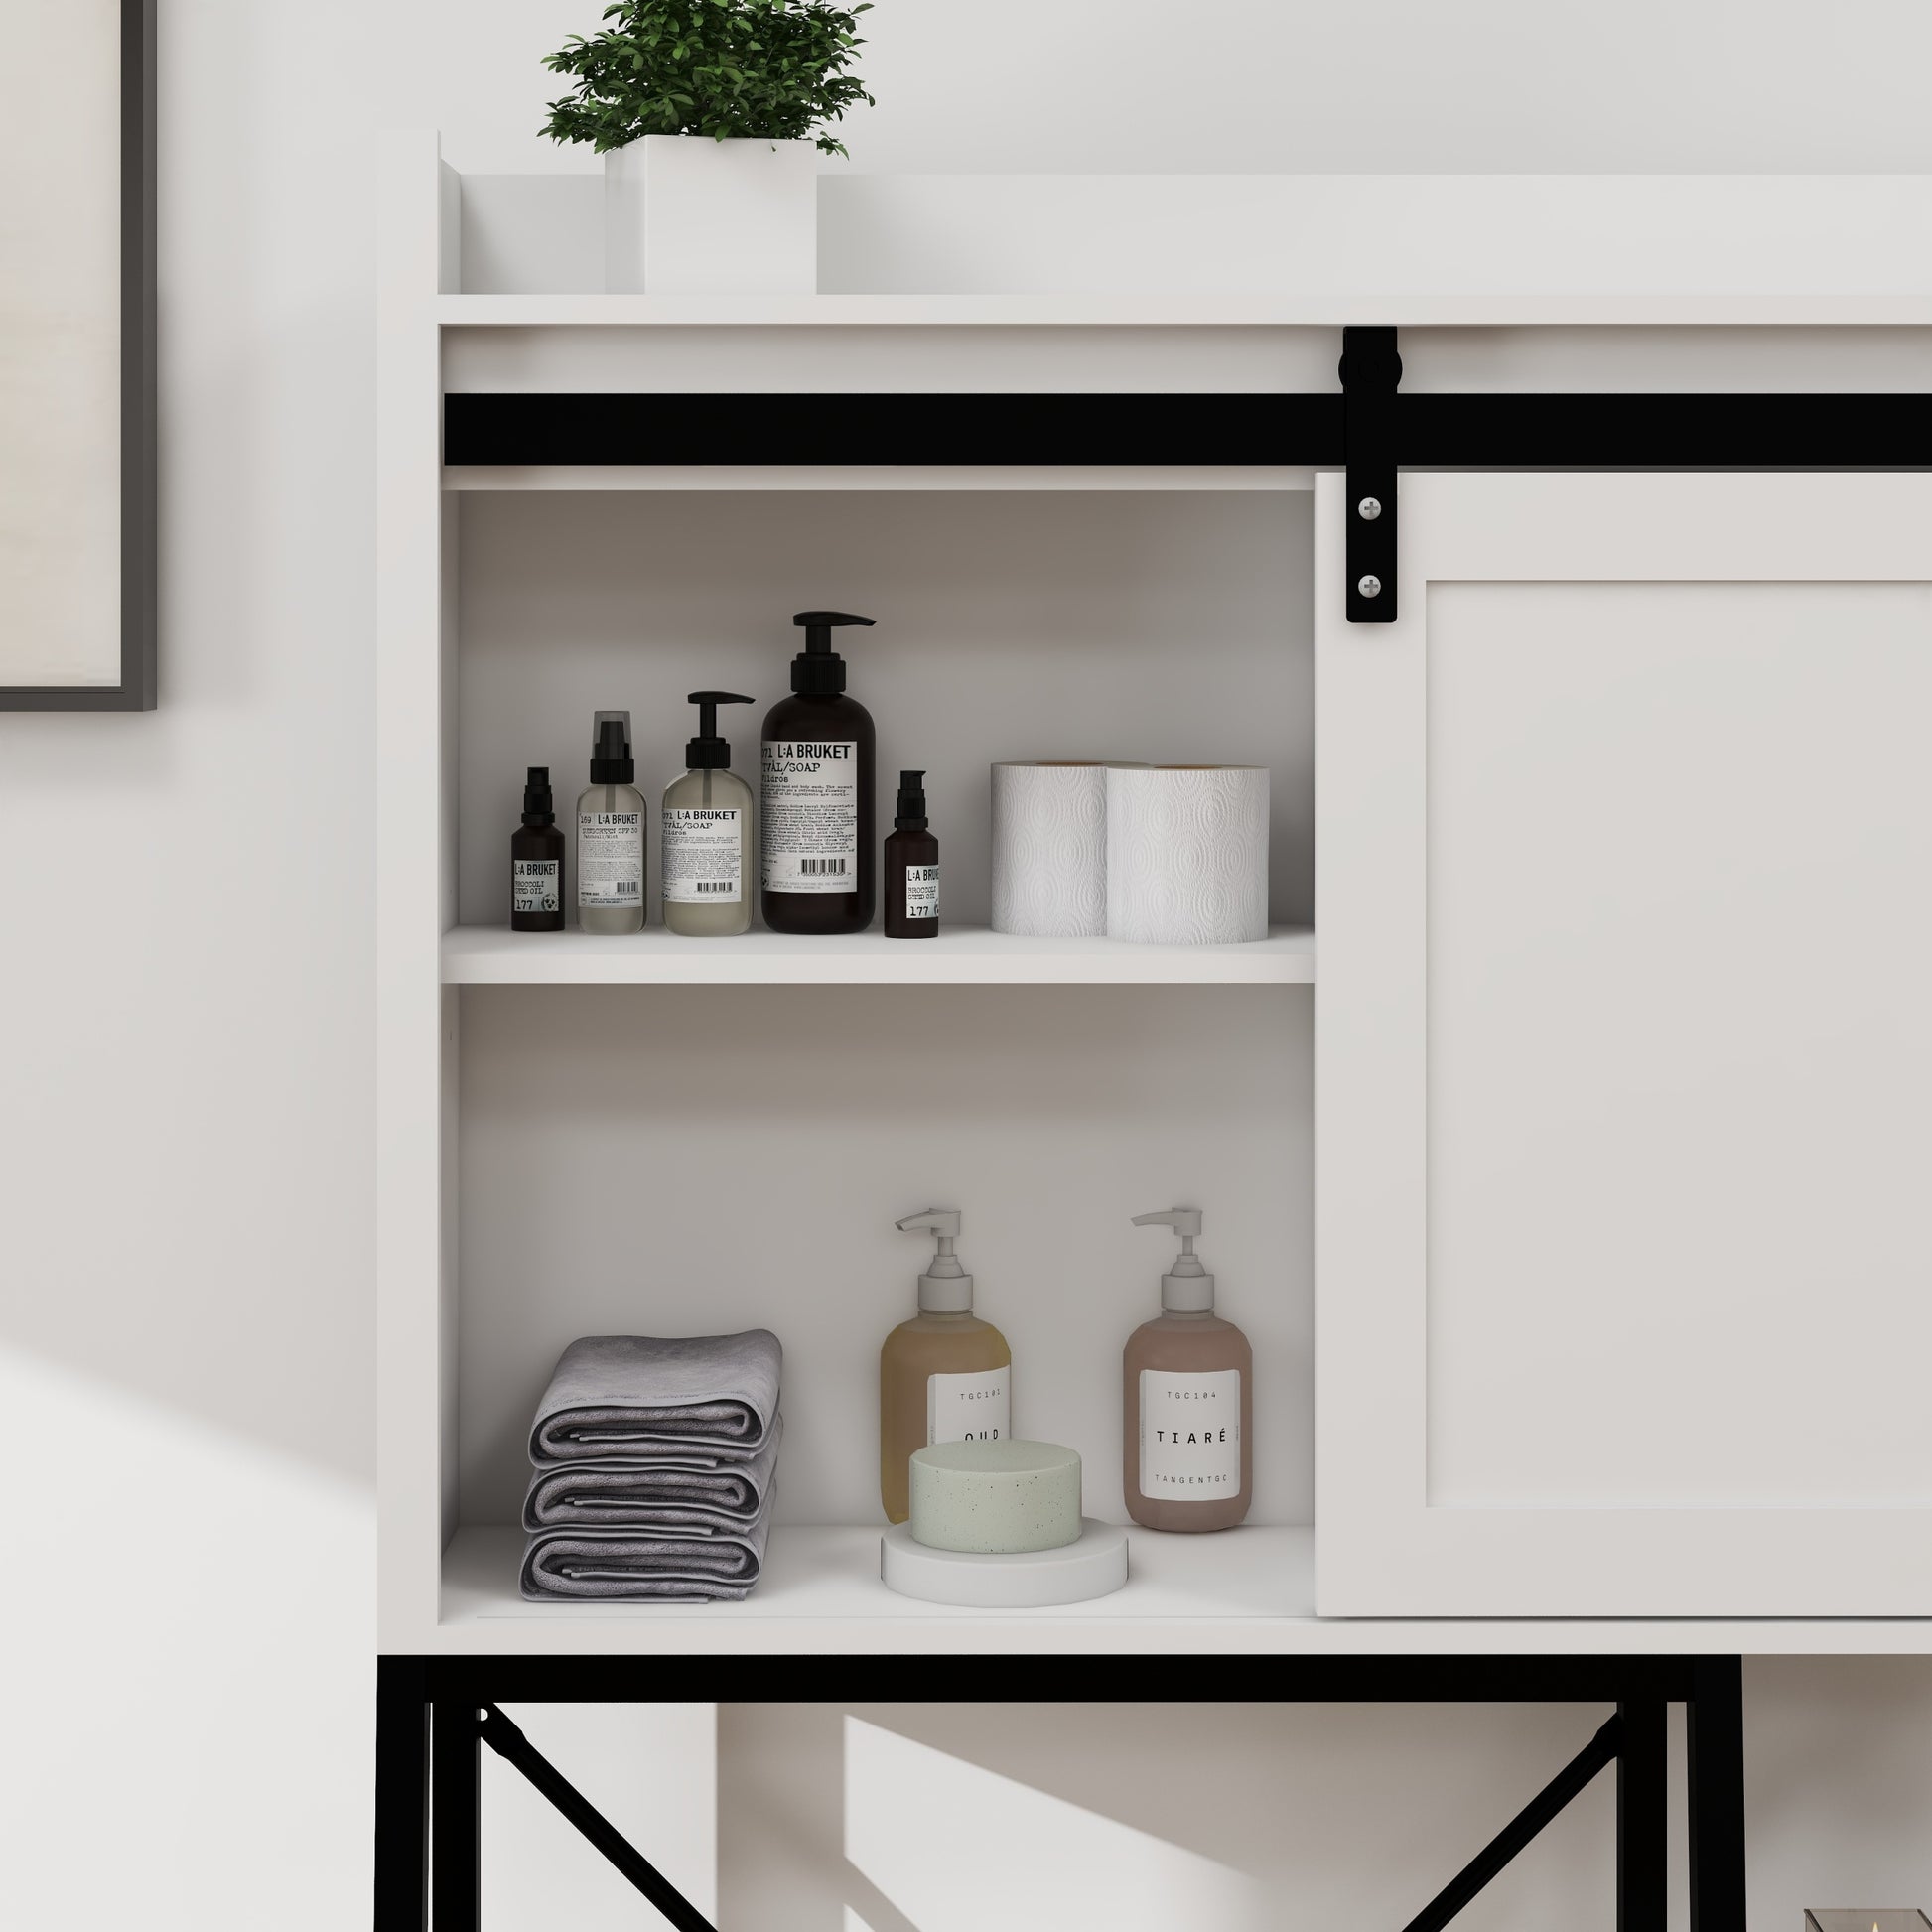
pixel 1574 1217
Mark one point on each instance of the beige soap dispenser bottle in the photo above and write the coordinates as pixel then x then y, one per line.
pixel 945 1376
pixel 1187 1401
pixel 707 828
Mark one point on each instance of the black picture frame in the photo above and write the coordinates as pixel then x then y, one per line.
pixel 136 690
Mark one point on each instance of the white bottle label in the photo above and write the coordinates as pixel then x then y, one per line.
pixel 970 1408
pixel 533 885
pixel 811 815
pixel 922 891
pixel 611 859
pixel 1190 1435
pixel 701 867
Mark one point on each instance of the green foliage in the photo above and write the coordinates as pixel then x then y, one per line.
pixel 764 70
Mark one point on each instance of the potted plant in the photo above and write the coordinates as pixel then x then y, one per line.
pixel 705 113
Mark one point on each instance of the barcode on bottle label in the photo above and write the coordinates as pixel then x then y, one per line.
pixel 815 868
pixel 702 845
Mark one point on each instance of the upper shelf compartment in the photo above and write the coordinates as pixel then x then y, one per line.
pixel 1253 251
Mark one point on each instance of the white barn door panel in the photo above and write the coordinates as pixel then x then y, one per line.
pixel 1625 1051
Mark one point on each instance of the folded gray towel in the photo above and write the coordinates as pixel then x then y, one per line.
pixel 702 1397
pixel 668 1491
pixel 658 1567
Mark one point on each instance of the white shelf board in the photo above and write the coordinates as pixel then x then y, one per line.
pixel 853 477
pixel 831 1575
pixel 959 956
pixel 1250 1590
pixel 1418 307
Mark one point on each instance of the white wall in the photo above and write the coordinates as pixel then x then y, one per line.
pixel 1374 87
pixel 185 1148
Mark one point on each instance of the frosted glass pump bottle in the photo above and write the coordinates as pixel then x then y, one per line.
pixel 1188 1400
pixel 705 874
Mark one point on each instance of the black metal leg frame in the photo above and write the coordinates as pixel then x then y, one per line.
pixel 435 1715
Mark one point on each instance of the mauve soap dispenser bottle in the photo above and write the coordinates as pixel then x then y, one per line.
pixel 1188 1395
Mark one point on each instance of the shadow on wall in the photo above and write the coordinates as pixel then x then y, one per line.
pixel 931 1817
pixel 1144 1818
pixel 934 1844
pixel 187 1152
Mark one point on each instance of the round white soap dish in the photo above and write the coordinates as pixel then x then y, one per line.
pixel 1094 1564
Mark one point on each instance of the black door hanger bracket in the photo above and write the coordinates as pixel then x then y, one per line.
pixel 1370 372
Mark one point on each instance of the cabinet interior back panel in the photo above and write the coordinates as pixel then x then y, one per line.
pixel 701 1159
pixel 1168 627
pixel 1680 1043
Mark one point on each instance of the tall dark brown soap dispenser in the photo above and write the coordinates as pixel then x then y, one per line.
pixel 820 868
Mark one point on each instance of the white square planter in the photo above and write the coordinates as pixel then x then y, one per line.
pixel 684 214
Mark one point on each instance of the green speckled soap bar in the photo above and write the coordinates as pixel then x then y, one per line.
pixel 996 1498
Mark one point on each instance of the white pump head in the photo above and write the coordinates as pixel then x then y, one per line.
pixel 945 1288
pixel 1189 1289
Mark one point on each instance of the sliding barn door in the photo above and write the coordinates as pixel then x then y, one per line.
pixel 1625 1051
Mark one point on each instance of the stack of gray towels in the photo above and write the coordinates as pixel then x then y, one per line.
pixel 652 1465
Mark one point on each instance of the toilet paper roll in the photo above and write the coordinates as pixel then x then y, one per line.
pixel 1050 850
pixel 1188 853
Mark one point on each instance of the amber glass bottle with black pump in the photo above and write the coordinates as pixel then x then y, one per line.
pixel 537 860
pixel 820 864
pixel 911 865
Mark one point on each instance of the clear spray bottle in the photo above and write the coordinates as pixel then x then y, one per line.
pixel 611 833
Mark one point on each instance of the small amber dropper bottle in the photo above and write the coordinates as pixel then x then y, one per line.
pixel 911 865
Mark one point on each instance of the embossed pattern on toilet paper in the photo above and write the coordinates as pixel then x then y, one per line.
pixel 1188 856
pixel 1050 850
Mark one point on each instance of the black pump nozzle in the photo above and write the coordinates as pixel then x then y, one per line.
pixel 910 816
pixel 818 669
pixel 538 807
pixel 611 759
pixel 708 751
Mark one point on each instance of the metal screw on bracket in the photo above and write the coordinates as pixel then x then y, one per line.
pixel 1369 586
pixel 1368 509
